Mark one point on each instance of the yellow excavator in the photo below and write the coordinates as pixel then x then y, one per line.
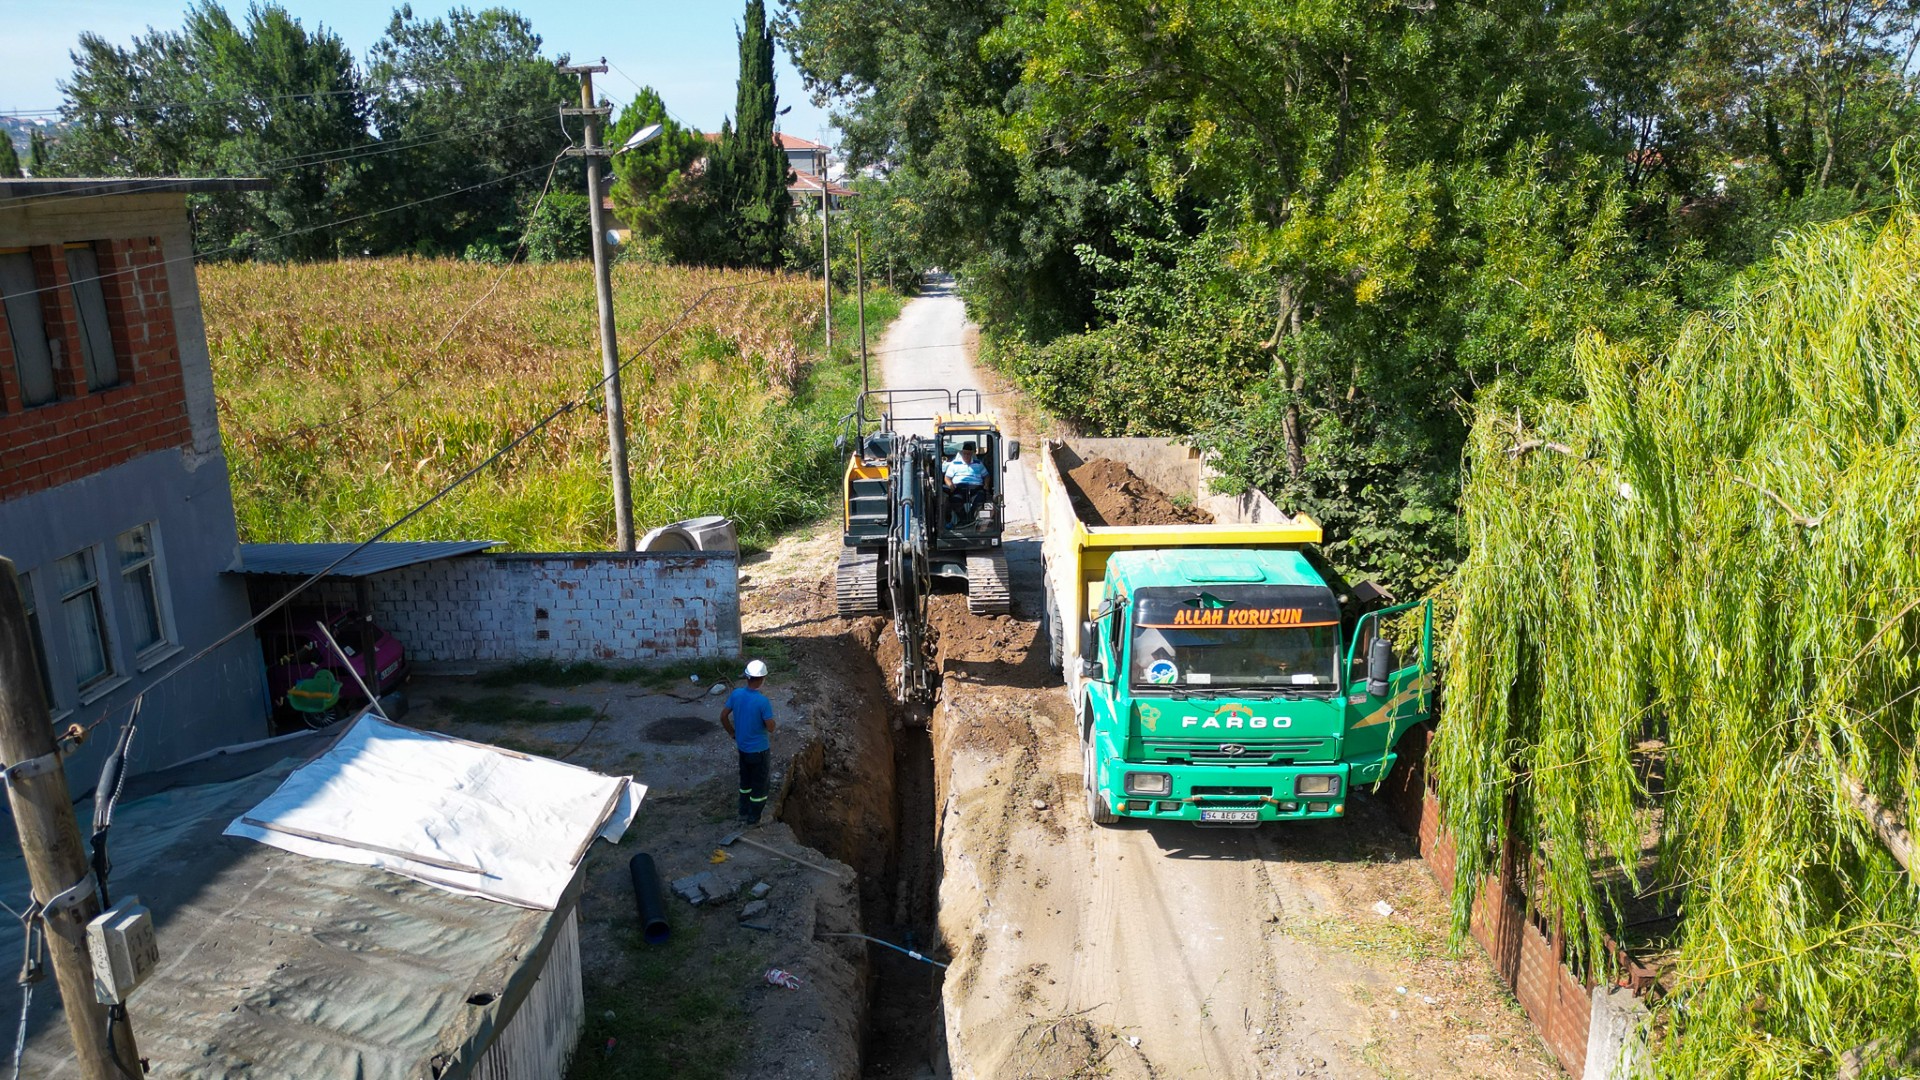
pixel 917 508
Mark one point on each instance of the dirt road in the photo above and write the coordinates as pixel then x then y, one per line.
pixel 1162 951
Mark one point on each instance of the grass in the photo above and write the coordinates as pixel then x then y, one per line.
pixel 679 1014
pixel 350 391
pixel 513 709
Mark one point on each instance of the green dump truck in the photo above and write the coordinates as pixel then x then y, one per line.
pixel 1222 673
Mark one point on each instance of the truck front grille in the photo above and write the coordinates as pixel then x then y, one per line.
pixel 1267 752
pixel 1216 789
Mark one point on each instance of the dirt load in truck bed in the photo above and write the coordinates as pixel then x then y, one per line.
pixel 1105 492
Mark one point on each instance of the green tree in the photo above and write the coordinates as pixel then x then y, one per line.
pixel 260 97
pixel 467 105
pixel 653 185
pixel 40 156
pixel 748 173
pixel 560 228
pixel 9 155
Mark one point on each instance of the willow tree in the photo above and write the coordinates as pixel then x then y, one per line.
pixel 1706 571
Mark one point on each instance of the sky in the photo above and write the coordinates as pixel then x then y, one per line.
pixel 686 50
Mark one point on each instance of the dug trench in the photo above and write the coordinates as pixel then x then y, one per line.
pixel 861 792
pixel 1134 951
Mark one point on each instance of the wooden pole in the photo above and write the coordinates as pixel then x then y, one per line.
pixel 826 266
pixel 50 841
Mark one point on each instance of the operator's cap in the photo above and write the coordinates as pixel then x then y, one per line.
pixel 756 669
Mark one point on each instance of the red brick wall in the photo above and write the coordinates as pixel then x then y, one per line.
pixel 84 432
pixel 1528 960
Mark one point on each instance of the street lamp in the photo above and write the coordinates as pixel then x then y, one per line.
pixel 639 139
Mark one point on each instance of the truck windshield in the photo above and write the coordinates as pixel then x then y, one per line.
pixel 1276 637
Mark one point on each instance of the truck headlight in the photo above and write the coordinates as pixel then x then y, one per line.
pixel 1149 783
pixel 1317 784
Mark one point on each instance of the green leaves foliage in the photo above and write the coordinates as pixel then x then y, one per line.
pixel 1689 608
pixel 747 174
pixel 226 98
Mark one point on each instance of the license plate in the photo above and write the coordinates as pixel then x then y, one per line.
pixel 389 670
pixel 1229 815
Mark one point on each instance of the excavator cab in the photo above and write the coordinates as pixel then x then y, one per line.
pixel 903 525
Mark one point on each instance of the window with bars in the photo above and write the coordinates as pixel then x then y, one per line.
pixel 85 619
pixel 90 304
pixel 145 589
pixel 27 328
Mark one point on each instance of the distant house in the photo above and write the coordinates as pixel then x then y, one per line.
pixel 802 155
pixel 808 160
pixel 114 500
pixel 807 187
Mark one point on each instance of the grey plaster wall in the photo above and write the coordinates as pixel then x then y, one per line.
pixel 599 605
pixel 220 700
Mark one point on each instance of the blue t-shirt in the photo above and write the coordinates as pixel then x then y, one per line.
pixel 958 471
pixel 751 711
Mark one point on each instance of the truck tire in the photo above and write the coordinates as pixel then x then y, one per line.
pixel 1096 800
pixel 1056 652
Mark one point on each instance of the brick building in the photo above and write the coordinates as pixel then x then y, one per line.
pixel 114 499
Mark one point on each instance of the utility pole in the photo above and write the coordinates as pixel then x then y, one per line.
pixel 50 840
pixel 603 293
pixel 860 279
pixel 826 266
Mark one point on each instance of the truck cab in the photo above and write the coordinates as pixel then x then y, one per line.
pixel 1232 686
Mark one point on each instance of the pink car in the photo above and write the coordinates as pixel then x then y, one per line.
pixel 296 649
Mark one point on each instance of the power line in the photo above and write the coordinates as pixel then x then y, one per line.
pixel 281 438
pixel 114 185
pixel 578 401
pixel 198 255
pixel 371 88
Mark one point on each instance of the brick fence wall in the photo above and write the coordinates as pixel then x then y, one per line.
pixel 609 606
pixel 1527 957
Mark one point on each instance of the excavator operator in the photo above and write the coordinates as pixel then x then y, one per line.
pixel 966 480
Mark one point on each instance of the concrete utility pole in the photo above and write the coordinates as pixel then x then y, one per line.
pixel 50 841
pixel 826 266
pixel 603 292
pixel 860 280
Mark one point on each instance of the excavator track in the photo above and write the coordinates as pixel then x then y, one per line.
pixel 857 583
pixel 988 591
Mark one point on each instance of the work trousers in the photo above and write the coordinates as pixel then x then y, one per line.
pixel 756 771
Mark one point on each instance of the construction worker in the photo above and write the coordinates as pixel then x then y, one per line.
pixel 748 717
pixel 966 480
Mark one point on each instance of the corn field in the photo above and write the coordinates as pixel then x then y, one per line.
pixel 351 391
pixel 1687 652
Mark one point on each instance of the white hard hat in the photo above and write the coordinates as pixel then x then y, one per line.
pixel 756 669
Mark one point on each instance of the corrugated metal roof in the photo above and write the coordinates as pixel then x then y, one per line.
pixel 279 967
pixel 304 560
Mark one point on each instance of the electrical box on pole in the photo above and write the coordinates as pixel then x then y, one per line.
pixel 66 892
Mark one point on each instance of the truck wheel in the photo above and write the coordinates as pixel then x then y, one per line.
pixel 1056 654
pixel 1096 799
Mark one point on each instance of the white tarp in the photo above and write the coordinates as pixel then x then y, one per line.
pixel 461 815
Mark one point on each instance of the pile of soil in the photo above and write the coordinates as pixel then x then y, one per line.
pixel 1105 492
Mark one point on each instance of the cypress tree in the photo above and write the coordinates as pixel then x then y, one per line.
pixel 9 156
pixel 750 171
pixel 39 155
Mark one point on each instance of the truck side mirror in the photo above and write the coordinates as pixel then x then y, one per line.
pixel 1013 449
pixel 1090 665
pixel 1380 666
pixel 840 445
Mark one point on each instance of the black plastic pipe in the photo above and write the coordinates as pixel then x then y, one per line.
pixel 651 900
